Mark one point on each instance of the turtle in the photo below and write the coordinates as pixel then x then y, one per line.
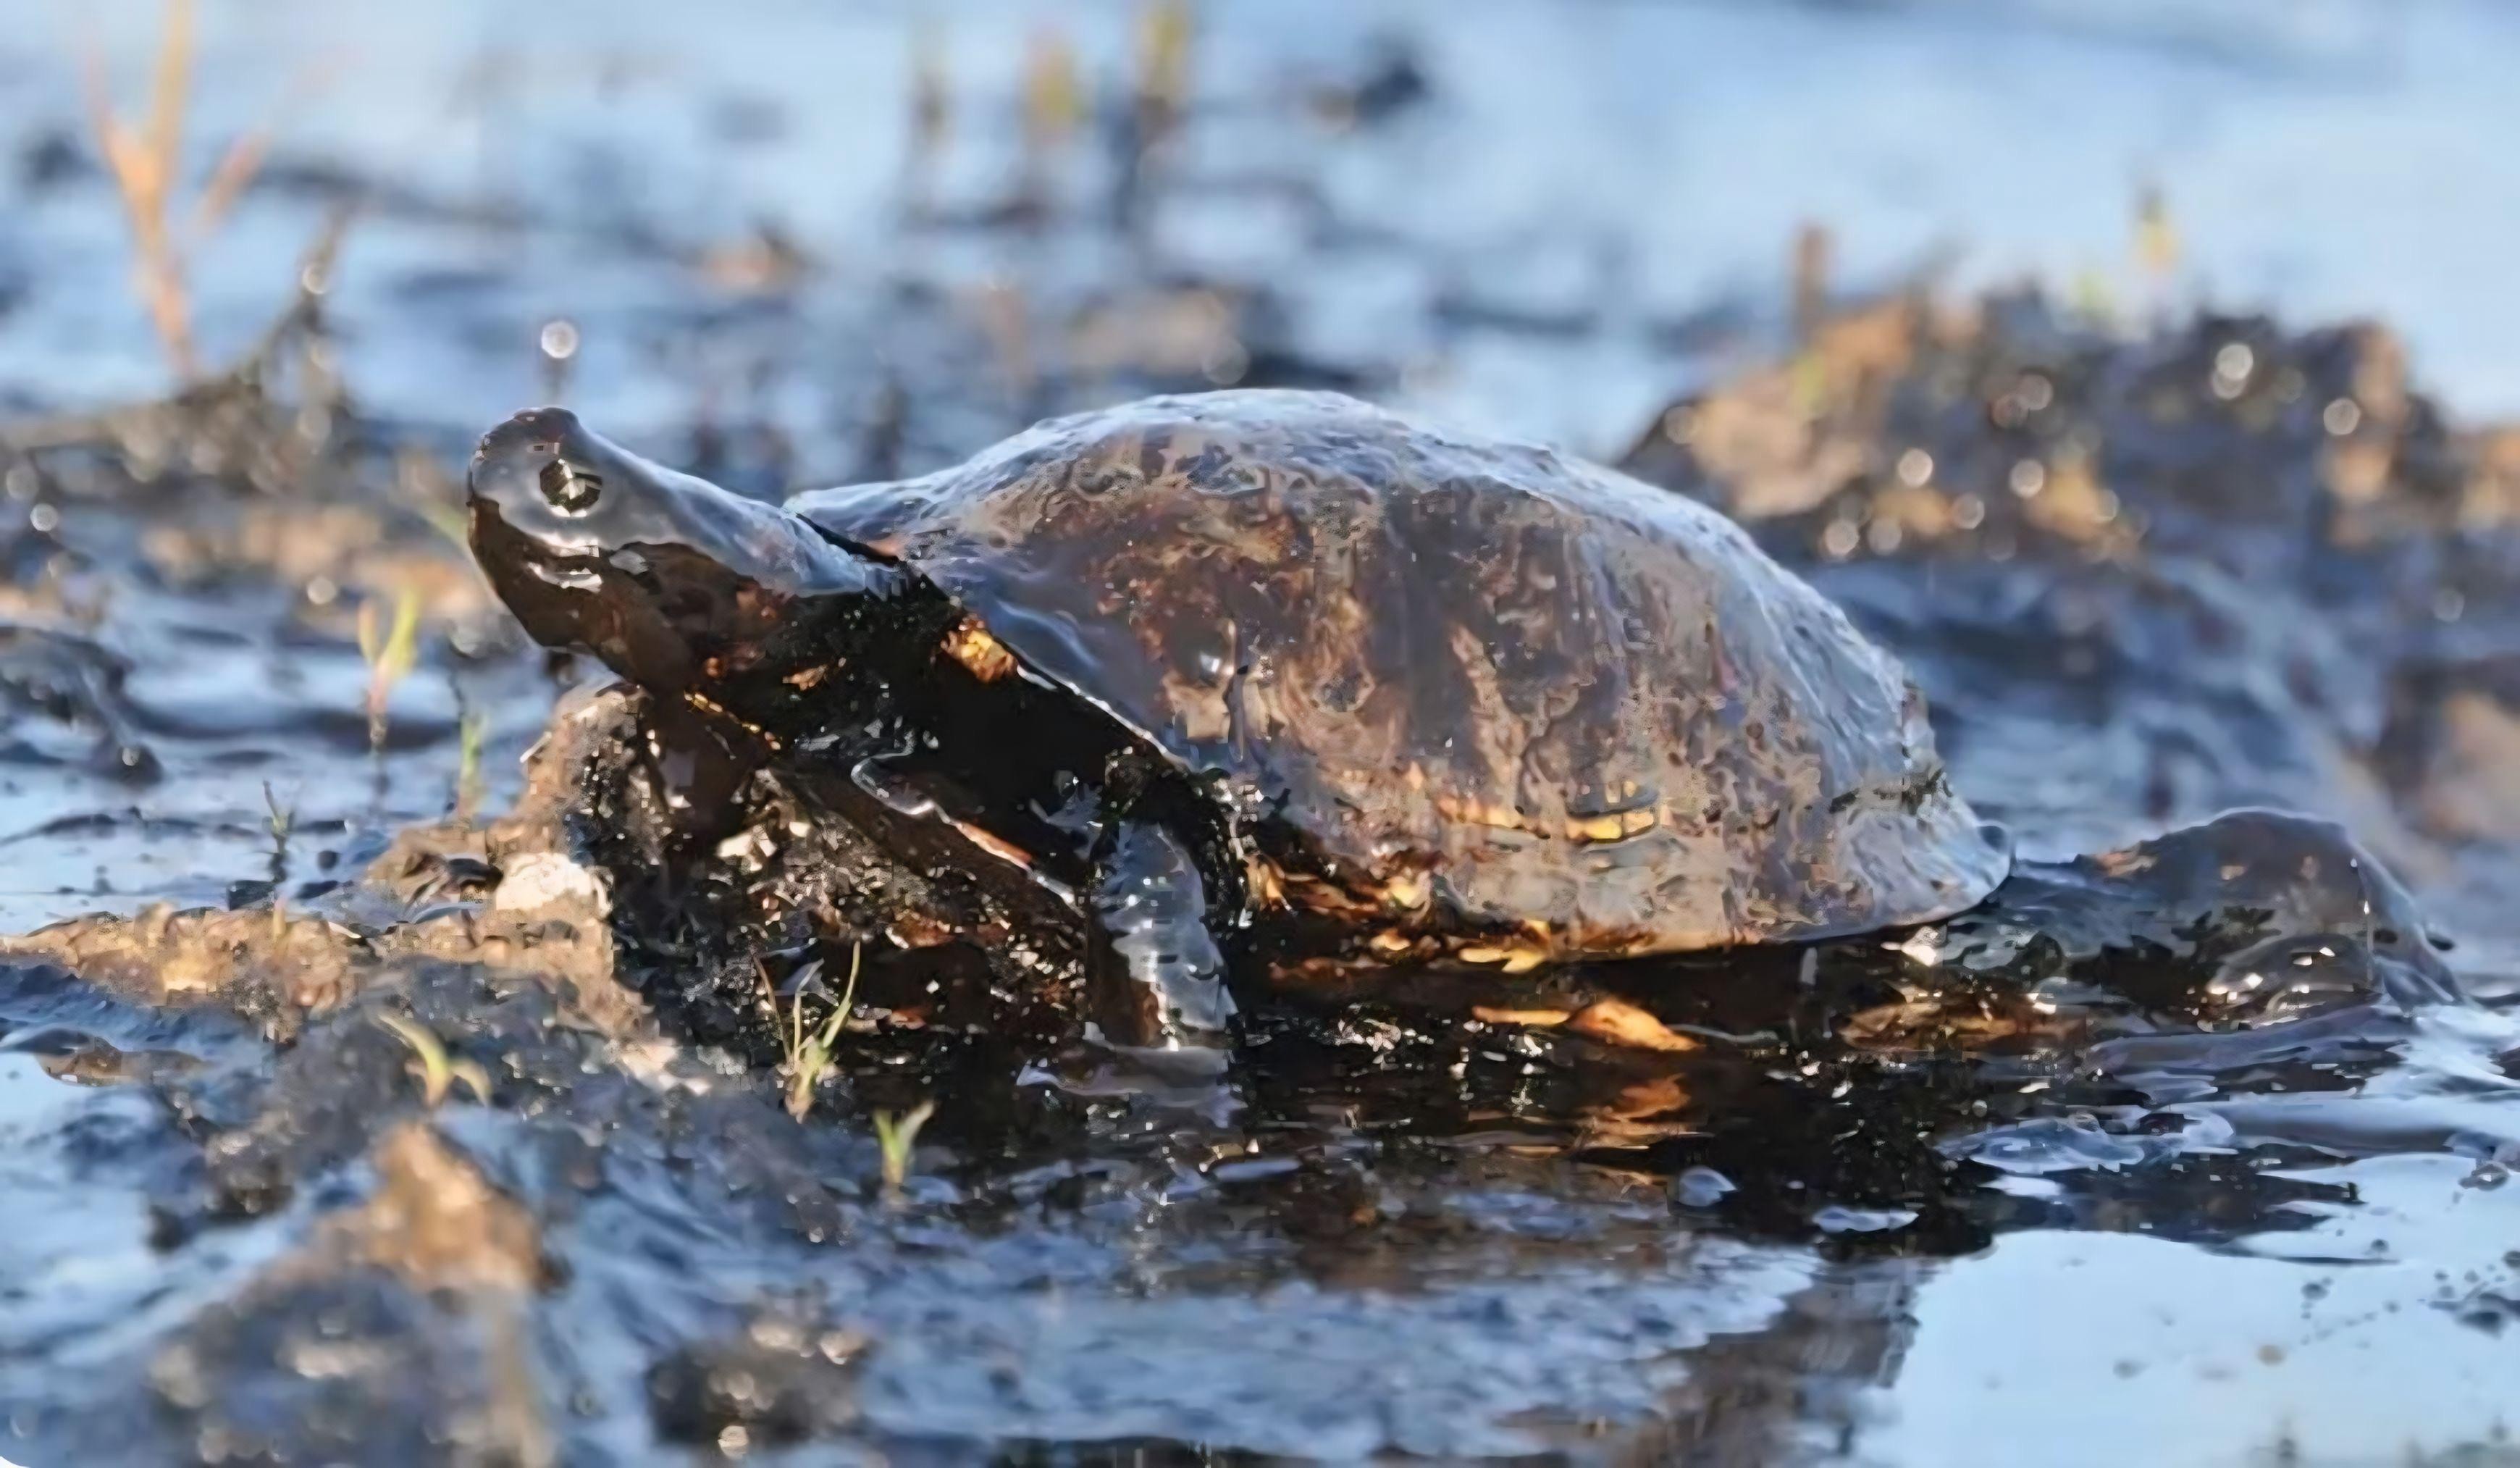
pixel 1282 673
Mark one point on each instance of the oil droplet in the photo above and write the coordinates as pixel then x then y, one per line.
pixel 1701 1187
pixel 2232 365
pixel 559 340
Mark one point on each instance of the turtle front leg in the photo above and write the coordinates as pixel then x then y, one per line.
pixel 1154 976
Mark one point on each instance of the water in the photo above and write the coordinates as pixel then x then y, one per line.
pixel 2289 1235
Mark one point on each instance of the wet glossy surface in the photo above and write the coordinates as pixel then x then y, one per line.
pixel 2200 1225
pixel 1515 688
pixel 1546 691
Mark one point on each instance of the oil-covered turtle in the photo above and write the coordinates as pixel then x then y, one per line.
pixel 1281 671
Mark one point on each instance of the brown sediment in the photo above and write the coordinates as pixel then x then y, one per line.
pixel 1791 434
pixel 549 917
pixel 2469 782
pixel 1855 441
pixel 165 955
pixel 437 1221
pixel 433 1226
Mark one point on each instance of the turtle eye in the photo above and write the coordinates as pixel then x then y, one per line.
pixel 570 488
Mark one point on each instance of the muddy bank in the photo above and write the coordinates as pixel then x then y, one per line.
pixel 2143 583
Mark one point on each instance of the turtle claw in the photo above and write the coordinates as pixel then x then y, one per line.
pixel 1155 976
pixel 1114 1069
pixel 1189 1081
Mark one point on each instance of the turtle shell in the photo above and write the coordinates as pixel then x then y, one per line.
pixel 1490 685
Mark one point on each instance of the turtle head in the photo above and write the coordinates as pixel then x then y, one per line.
pixel 668 579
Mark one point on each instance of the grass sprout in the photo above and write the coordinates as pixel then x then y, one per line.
pixel 2156 247
pixel 436 1069
pixel 897 1136
pixel 809 1055
pixel 931 112
pixel 469 732
pixel 278 819
pixel 390 655
pixel 1053 99
pixel 1163 61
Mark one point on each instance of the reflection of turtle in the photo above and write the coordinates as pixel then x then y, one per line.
pixel 1279 669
